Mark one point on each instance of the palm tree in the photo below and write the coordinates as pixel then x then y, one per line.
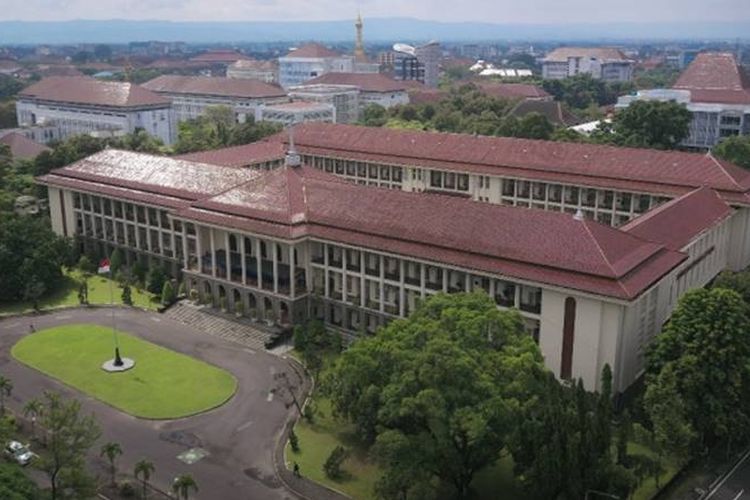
pixel 6 387
pixel 183 484
pixel 33 410
pixel 111 451
pixel 144 468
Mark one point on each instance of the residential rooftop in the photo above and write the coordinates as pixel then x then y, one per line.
pixel 715 77
pixel 562 54
pixel 90 91
pixel 367 82
pixel 214 86
pixel 313 51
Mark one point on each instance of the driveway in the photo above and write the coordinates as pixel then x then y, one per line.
pixel 239 436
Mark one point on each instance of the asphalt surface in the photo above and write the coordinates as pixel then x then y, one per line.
pixel 239 436
pixel 736 484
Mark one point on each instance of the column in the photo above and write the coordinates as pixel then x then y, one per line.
pixel 275 261
pixel 362 279
pixel 242 260
pixel 445 279
pixel 401 294
pixel 213 252
pixel 185 258
pixel 228 257
pixel 422 280
pixel 343 274
pixel 325 272
pixel 258 265
pixel 381 284
pixel 292 274
pixel 199 246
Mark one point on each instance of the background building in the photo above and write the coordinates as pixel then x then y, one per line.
pixel 345 98
pixel 311 61
pixel 191 95
pixel 417 63
pixel 265 71
pixel 83 105
pixel 374 88
pixel 296 112
pixel 601 63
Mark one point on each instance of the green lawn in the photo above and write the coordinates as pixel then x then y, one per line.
pixel 648 488
pixel 163 383
pixel 67 295
pixel 316 441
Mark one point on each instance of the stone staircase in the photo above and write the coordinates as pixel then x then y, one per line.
pixel 242 331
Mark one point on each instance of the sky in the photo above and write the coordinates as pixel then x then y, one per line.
pixel 491 11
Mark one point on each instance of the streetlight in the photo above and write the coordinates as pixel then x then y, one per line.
pixel 600 493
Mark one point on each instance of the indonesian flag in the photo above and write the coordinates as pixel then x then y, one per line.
pixel 103 267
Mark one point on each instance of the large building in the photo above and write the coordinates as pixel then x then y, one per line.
pixel 606 64
pixel 373 88
pixel 330 242
pixel 290 113
pixel 716 90
pixel 70 106
pixel 191 95
pixel 344 98
pixel 311 61
pixel 265 71
pixel 420 63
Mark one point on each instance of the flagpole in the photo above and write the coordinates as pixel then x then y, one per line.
pixel 118 359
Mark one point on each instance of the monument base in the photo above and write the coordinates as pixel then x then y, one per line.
pixel 112 366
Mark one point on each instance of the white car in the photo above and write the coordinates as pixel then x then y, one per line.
pixel 18 452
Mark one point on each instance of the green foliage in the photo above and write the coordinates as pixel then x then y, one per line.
pixel 374 115
pixel 167 293
pixel 143 470
pixel 14 485
pixel 8 114
pixel 735 149
pixel 22 262
pixel 139 273
pixel 83 292
pixel 737 281
pixel 183 485
pixel 651 124
pixel 115 261
pixel 332 465
pixel 9 86
pixel 662 77
pixel 155 280
pixel 70 435
pixel 294 441
pixel 446 381
pixel 582 91
pixel 182 289
pixel 111 451
pixel 313 341
pixel 86 265
pixel 127 490
pixel 700 365
pixel 216 128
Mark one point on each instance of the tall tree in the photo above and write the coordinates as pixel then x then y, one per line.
pixel 111 451
pixel 651 124
pixel 33 409
pixel 441 385
pixel 183 485
pixel 6 388
pixel 703 358
pixel 70 435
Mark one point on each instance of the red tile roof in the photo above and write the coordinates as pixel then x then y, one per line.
pixel 367 82
pixel 512 90
pixel 85 90
pixel 679 221
pixel 21 146
pixel 639 170
pixel 269 149
pixel 547 247
pixel 215 86
pixel 219 56
pixel 715 77
pixel 606 53
pixel 313 50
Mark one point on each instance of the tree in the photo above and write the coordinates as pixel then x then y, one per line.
pixel 735 149
pixel 534 126
pixel 127 295
pixel 20 260
pixel 314 341
pixel 737 281
pixel 143 469
pixel 374 115
pixel 332 465
pixel 652 124
pixel 167 293
pixel 69 437
pixel 83 292
pixel 111 450
pixel 6 388
pixel 33 291
pixel 14 485
pixel 445 381
pixel 702 358
pixel 252 131
pixel 115 261
pixel 156 279
pixel 33 409
pixel 183 485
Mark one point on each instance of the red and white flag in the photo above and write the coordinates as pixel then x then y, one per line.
pixel 103 266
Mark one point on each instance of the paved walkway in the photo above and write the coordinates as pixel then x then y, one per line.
pixel 208 320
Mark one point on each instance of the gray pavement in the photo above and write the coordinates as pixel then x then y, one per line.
pixel 736 484
pixel 240 436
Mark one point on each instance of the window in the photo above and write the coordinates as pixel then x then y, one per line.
pixel 509 187
pixel 436 179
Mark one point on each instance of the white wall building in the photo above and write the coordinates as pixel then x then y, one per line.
pixel 311 61
pixel 345 98
pixel 191 95
pixel 265 71
pixel 607 64
pixel 296 112
pixel 373 88
pixel 83 105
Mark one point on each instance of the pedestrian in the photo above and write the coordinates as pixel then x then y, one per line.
pixel 296 470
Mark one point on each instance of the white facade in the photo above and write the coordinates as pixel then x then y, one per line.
pixel 191 106
pixel 296 112
pixel 607 70
pixel 297 70
pixel 74 119
pixel 253 71
pixel 345 98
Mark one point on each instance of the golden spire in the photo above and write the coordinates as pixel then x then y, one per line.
pixel 359 47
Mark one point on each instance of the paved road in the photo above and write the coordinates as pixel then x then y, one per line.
pixel 239 436
pixel 736 485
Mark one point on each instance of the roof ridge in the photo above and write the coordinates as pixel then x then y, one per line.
pixel 585 223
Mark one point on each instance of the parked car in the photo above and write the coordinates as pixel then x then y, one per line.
pixel 19 453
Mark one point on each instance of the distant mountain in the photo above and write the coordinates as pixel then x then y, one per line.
pixel 376 30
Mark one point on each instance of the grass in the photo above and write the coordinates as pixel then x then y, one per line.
pixel 67 295
pixel 648 489
pixel 163 384
pixel 317 440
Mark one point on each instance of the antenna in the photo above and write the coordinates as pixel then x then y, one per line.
pixel 292 158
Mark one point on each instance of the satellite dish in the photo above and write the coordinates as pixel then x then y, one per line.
pixel 405 49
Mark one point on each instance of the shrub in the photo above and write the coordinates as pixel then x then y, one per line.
pixel 85 265
pixel 139 272
pixel 127 295
pixel 182 290
pixel 293 441
pixel 332 467
pixel 127 490
pixel 194 296
pixel 310 412
pixel 239 308
pixel 115 260
pixel 155 280
pixel 167 293
pixel 83 292
pixel 223 303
